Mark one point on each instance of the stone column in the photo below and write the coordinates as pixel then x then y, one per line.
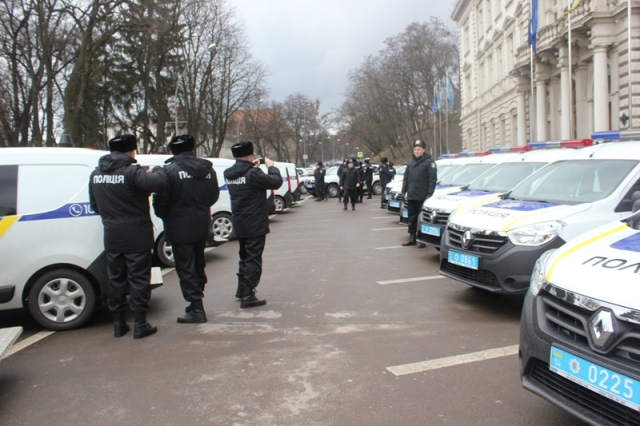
pixel 583 118
pixel 541 102
pixel 554 114
pixel 600 89
pixel 522 114
pixel 565 100
pixel 615 88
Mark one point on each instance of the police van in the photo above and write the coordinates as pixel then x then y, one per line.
pixel 488 187
pixel 580 328
pixel 221 227
pixel 53 260
pixel 494 246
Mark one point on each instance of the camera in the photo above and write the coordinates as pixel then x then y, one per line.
pixel 261 159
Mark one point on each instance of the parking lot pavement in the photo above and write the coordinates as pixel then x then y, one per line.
pixel 357 330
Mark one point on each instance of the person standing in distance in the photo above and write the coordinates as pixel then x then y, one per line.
pixel 367 173
pixel 349 183
pixel 419 183
pixel 318 175
pixel 119 191
pixel 250 219
pixel 387 173
pixel 341 168
pixel 185 209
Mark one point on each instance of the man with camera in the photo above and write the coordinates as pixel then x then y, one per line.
pixel 247 185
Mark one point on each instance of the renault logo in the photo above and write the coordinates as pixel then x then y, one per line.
pixel 466 239
pixel 434 216
pixel 601 328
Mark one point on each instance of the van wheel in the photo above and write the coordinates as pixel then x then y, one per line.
pixel 222 227
pixel 165 252
pixel 377 188
pixel 279 202
pixel 303 189
pixel 62 299
pixel 332 190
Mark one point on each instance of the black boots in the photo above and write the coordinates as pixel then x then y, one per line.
pixel 345 206
pixel 421 245
pixel 141 328
pixel 249 299
pixel 353 206
pixel 120 327
pixel 195 314
pixel 412 240
pixel 238 291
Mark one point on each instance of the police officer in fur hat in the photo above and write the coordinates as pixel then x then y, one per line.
pixel 418 184
pixel 119 191
pixel 387 172
pixel 247 185
pixel 367 177
pixel 318 175
pixel 185 209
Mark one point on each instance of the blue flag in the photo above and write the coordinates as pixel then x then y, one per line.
pixel 434 105
pixel 449 95
pixel 533 25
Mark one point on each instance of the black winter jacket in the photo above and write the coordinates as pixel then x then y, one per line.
pixel 349 178
pixel 318 175
pixel 185 203
pixel 119 192
pixel 420 178
pixel 367 173
pixel 386 174
pixel 247 185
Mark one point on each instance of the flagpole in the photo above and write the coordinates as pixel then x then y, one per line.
pixel 446 111
pixel 570 78
pixel 531 106
pixel 629 91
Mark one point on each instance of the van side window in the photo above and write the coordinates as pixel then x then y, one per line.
pixel 626 204
pixel 8 190
pixel 65 183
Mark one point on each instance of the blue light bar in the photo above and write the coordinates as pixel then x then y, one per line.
pixel 617 135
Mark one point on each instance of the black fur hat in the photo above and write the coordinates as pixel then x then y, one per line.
pixel 181 143
pixel 242 149
pixel 420 143
pixel 384 159
pixel 123 143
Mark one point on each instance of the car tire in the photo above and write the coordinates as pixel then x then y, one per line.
pixel 377 188
pixel 62 299
pixel 165 252
pixel 333 190
pixel 279 203
pixel 303 189
pixel 222 226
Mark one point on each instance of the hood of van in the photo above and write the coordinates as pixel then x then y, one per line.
pixel 460 199
pixel 603 264
pixel 114 160
pixel 505 215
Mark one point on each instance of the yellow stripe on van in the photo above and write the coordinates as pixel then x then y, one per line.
pixel 469 204
pixel 6 222
pixel 583 244
pixel 508 225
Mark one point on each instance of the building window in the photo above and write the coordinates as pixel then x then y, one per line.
pixel 467 44
pixel 490 76
pixel 499 66
pixel 510 53
pixel 467 87
pixel 489 21
pixel 481 78
pixel 480 25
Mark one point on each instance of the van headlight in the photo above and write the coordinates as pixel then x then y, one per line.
pixel 536 235
pixel 537 276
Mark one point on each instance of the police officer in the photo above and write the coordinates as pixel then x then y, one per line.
pixel 418 184
pixel 367 178
pixel 185 209
pixel 119 191
pixel 318 175
pixel 387 172
pixel 247 187
pixel 341 169
pixel 360 189
pixel 349 183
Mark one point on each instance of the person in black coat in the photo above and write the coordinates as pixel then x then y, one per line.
pixel 350 182
pixel 119 191
pixel 419 183
pixel 247 186
pixel 318 175
pixel 185 209
pixel 341 169
pixel 387 172
pixel 367 173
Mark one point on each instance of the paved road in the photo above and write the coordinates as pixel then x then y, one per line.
pixel 323 351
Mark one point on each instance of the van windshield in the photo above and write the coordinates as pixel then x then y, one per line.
pixel 331 171
pixel 504 177
pixel 574 181
pixel 446 169
pixel 464 175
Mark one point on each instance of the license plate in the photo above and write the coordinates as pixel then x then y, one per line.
pixel 386 196
pixel 615 386
pixel 405 213
pixel 394 203
pixel 462 259
pixel 430 230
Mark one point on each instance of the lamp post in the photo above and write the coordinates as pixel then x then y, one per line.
pixel 240 121
pixel 322 154
pixel 304 152
pixel 209 48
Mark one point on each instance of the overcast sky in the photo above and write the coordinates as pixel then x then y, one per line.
pixel 309 46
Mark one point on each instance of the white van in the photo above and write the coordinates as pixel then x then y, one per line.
pixel 494 246
pixel 579 345
pixel 53 260
pixel 488 187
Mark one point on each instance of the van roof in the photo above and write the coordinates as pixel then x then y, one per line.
pixel 37 155
pixel 546 155
pixel 624 150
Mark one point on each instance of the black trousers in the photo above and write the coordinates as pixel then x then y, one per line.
pixel 360 192
pixel 350 193
pixel 413 210
pixel 250 265
pixel 382 196
pixel 131 270
pixel 189 258
pixel 320 190
pixel 369 189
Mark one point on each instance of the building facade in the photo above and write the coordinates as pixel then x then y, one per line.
pixel 569 94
